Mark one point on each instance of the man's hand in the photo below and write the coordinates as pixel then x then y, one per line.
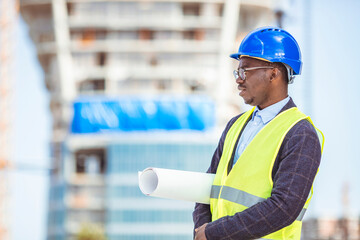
pixel 200 232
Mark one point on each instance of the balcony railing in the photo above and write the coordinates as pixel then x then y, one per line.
pixel 85 201
pixel 114 22
pixel 24 3
pixel 148 46
pixel 87 179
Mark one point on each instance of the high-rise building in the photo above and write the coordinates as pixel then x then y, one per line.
pixel 115 70
pixel 331 228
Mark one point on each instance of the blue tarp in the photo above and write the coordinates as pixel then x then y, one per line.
pixel 101 114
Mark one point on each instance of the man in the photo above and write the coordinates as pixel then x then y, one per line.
pixel 267 158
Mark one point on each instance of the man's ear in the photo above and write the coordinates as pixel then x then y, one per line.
pixel 274 73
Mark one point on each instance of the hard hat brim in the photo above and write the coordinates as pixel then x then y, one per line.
pixel 235 56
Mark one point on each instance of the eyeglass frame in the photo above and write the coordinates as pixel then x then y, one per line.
pixel 237 74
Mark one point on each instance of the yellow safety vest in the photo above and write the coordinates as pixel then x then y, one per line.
pixel 250 180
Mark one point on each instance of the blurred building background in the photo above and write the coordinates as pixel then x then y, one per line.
pixel 331 228
pixel 134 84
pixel 107 62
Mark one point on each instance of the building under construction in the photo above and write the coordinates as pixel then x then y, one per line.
pixel 345 228
pixel 134 84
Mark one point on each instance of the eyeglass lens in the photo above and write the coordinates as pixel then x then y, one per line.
pixel 242 74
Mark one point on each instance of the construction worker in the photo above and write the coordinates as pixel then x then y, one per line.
pixel 267 157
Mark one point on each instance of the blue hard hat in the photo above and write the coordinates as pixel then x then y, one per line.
pixel 271 44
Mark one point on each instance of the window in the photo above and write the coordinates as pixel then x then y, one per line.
pixel 146 34
pixel 92 85
pixel 101 59
pixel 191 9
pixel 70 8
pixel 189 35
pixel 90 161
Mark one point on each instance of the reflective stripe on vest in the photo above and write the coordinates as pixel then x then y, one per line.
pixel 240 197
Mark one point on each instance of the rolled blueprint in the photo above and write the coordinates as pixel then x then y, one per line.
pixel 175 184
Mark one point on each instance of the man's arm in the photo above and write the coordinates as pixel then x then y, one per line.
pixel 295 169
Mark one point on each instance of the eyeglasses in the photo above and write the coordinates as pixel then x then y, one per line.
pixel 241 73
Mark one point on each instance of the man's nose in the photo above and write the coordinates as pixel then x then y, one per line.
pixel 239 80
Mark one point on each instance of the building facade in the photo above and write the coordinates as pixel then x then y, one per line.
pixel 331 228
pixel 134 49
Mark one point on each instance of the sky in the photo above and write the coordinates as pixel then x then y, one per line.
pixel 31 136
pixel 336 87
pixel 328 91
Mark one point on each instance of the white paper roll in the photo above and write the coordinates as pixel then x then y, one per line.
pixel 176 184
